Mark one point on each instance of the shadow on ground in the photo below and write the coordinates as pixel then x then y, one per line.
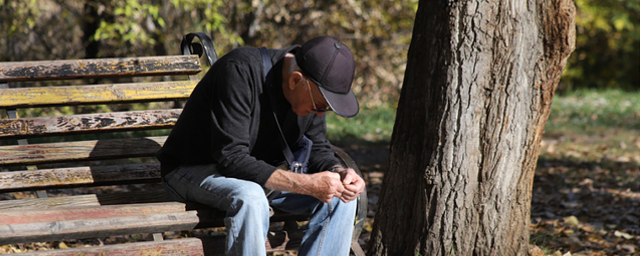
pixel 578 207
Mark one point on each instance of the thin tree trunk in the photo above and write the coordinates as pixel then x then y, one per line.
pixel 90 24
pixel 477 92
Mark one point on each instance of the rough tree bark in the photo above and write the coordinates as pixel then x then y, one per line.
pixel 477 92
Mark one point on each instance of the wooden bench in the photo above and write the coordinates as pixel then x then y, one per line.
pixel 81 171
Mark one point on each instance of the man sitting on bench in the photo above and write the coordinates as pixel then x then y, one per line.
pixel 252 136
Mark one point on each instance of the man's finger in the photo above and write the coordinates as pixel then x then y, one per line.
pixel 348 192
pixel 353 188
pixel 347 179
pixel 347 199
pixel 350 176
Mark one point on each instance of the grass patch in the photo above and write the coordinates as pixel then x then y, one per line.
pixel 591 112
pixel 594 126
pixel 372 124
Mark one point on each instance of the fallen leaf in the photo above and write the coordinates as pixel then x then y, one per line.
pixel 571 221
pixel 622 234
pixel 629 248
pixel 595 238
pixel 587 228
pixel 536 251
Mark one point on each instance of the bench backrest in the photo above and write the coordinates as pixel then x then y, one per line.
pixel 75 148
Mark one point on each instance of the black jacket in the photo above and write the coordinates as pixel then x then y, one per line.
pixel 228 121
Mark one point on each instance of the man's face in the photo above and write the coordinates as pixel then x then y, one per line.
pixel 307 99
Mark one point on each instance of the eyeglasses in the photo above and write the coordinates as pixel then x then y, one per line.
pixel 315 109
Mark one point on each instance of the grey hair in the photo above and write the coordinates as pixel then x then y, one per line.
pixel 293 66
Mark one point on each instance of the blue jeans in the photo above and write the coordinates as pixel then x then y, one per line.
pixel 247 221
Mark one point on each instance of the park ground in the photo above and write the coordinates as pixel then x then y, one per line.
pixel 579 207
pixel 586 191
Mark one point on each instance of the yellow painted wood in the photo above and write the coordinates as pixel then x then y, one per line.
pixel 95 94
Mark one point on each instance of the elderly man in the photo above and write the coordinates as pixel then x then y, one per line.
pixel 229 147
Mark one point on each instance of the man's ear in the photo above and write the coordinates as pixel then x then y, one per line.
pixel 294 80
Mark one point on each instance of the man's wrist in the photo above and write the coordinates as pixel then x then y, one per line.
pixel 285 180
pixel 336 168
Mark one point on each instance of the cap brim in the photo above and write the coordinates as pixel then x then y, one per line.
pixel 345 105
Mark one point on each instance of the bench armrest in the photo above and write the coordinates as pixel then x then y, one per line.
pixel 188 47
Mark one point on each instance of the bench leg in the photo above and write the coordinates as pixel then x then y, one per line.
pixel 158 237
pixel 356 249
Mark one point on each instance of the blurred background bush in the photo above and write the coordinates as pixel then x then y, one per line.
pixel 378 32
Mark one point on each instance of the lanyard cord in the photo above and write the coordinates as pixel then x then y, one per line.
pixel 266 62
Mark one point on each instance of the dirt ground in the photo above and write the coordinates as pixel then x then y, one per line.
pixel 578 207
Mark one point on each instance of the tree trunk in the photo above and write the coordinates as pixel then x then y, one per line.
pixel 480 79
pixel 90 24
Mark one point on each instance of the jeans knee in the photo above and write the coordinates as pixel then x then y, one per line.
pixel 252 197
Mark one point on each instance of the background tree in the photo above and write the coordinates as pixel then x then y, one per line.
pixel 607 49
pixel 607 46
pixel 377 31
pixel 477 93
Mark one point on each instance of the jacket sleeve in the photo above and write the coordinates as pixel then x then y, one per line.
pixel 231 107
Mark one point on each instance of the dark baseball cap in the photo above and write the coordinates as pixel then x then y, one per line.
pixel 329 64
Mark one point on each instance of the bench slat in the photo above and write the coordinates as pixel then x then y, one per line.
pixel 209 245
pixel 99 227
pixel 8 217
pixel 78 124
pixel 147 196
pixel 50 202
pixel 176 247
pixel 96 68
pixel 80 150
pixel 95 94
pixel 209 217
pixel 79 176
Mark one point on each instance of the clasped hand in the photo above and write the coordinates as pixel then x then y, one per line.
pixel 345 184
